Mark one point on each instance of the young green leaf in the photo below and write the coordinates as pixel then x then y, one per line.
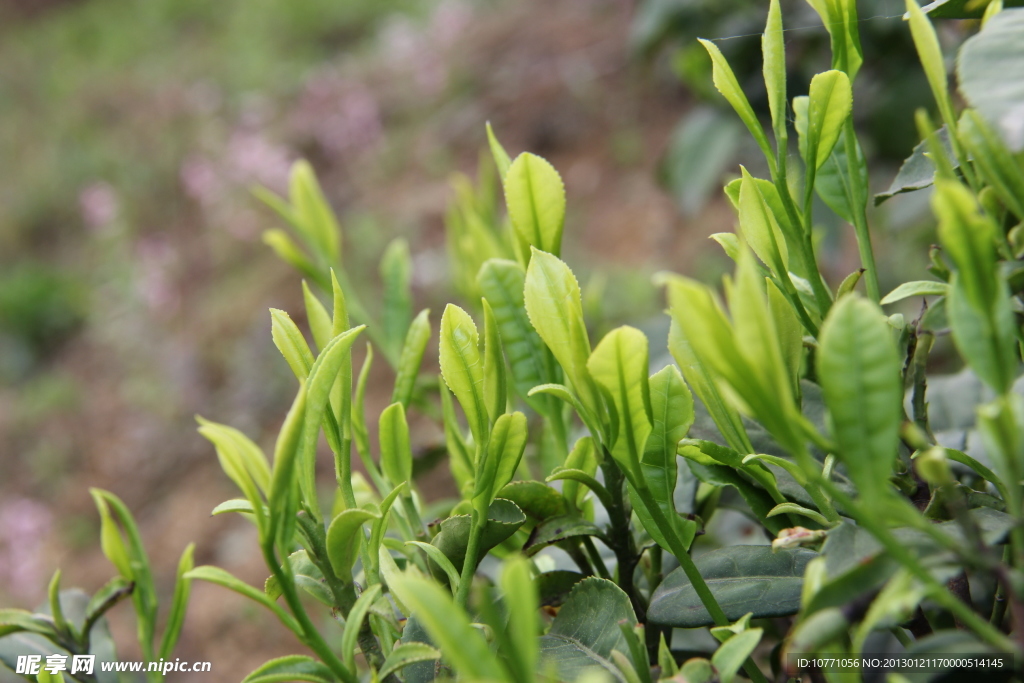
pixel 463 646
pixel 289 252
pixel 354 621
pixel 829 105
pixel 319 320
pixel 504 451
pixel 930 54
pixel 314 216
pixel 730 655
pixel 463 368
pixel 502 283
pixel 773 48
pixel 396 274
pixel 179 603
pixel 859 373
pixel 915 288
pixel 343 538
pixel 360 431
pixel 760 227
pixel 495 392
pixel 223 578
pixel 1002 171
pixel 292 668
pixel 501 157
pixel 411 358
pixel 555 307
pixel 283 497
pixel 726 83
pixel 395 452
pixel 520 598
pixel 619 364
pixel 535 197
pixel 840 18
pixel 291 343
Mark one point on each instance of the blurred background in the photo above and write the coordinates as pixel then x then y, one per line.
pixel 134 285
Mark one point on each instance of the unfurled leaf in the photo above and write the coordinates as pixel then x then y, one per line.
pixel 535 197
pixel 495 392
pixel 930 53
pixel 411 358
pixel 730 655
pixel 504 451
pixel 405 654
pixel 179 603
pixel 918 170
pixel 313 216
pixel 291 668
pixel 354 621
pixel 291 343
pixel 283 497
pixel 289 252
pixel 840 18
pixel 726 83
pixel 520 598
pixel 760 227
pixel 555 307
pixel 395 452
pixel 319 320
pixel 619 364
pixel 343 537
pixel 773 47
pixel 501 160
pixel 223 578
pixel 828 106
pixel 538 500
pixel 396 274
pixel 743 578
pixel 859 373
pixel 462 367
pixel 557 529
pixel 915 288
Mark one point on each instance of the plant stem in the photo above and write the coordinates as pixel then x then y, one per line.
pixel 707 598
pixel 469 564
pixel 620 537
pixel 860 219
pixel 822 296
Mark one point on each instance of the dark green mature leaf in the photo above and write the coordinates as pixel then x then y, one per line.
pixel 535 197
pixel 918 170
pixel 586 629
pixel 557 529
pixel 554 587
pixel 859 373
pixel 406 654
pixel 756 498
pixel 538 500
pixel 502 283
pixel 503 519
pixel 291 668
pixel 984 69
pixel 743 579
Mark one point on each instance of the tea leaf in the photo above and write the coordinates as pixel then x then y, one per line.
pixel 290 253
pixel 405 654
pixel 536 202
pixel 915 288
pixel 448 625
pixel 829 104
pixel 291 343
pixel 179 603
pixel 985 63
pixel 504 451
pixel 743 578
pixel 520 598
pixel 556 529
pixel 395 452
pixel 586 630
pixel 840 18
pixel 773 47
pixel 354 621
pixel 620 364
pixel 291 668
pixel 495 392
pixel 442 561
pixel 1002 171
pixel 462 367
pixel 555 307
pixel 760 228
pixel 501 160
pixel 918 170
pixel 396 273
pixel 503 519
pixel 930 53
pixel 502 283
pixel 283 498
pixel 223 578
pixel 726 83
pixel 730 656
pixel 408 368
pixel 319 320
pixel 314 216
pixel 860 379
pixel 538 500
pixel 343 538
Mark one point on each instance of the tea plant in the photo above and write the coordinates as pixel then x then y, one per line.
pixel 802 405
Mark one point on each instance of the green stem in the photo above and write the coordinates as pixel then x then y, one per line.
pixel 595 558
pixel 470 563
pixel 678 549
pixel 860 219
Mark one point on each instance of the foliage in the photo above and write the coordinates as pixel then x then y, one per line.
pixel 803 405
